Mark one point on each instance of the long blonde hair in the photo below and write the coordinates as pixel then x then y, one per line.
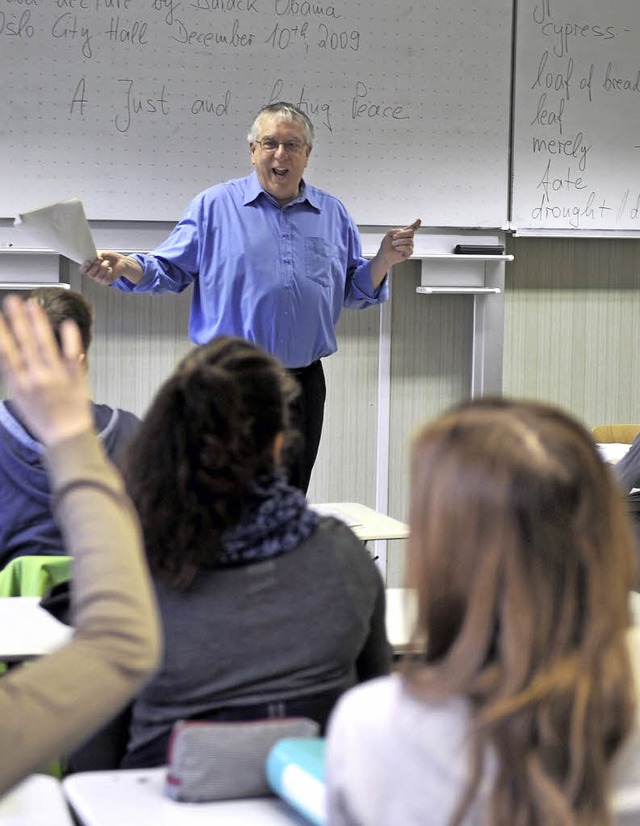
pixel 523 558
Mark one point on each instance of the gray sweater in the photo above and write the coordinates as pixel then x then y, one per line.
pixel 308 621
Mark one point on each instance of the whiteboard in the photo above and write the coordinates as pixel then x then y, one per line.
pixel 135 106
pixel 576 149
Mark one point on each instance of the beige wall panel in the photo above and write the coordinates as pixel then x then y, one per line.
pixel 572 325
pixel 572 334
pixel 431 348
pixel 345 470
pixel 138 339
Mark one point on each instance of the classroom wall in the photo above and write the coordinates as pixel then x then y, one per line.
pixel 139 338
pixel 572 332
pixel 572 325
pixel 571 305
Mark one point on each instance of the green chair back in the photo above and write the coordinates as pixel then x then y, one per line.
pixel 32 576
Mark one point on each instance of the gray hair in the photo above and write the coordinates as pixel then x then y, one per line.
pixel 282 111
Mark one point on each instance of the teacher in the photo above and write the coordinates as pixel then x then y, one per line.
pixel 272 259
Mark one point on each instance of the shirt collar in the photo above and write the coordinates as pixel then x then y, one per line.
pixel 11 422
pixel 307 193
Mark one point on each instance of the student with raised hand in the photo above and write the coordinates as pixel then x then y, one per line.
pixel 51 705
pixel 522 708
pixel 268 610
pixel 27 526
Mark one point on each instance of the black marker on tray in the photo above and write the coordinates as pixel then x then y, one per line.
pixel 479 249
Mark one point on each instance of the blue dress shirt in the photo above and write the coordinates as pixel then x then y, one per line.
pixel 278 276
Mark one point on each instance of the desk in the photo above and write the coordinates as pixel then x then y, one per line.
pixel 133 797
pixel 401 610
pixel 366 523
pixel 400 616
pixel 27 630
pixel 37 801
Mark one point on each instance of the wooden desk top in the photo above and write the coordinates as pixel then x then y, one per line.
pixel 37 801
pixel 27 630
pixel 367 523
pixel 135 797
pixel 400 617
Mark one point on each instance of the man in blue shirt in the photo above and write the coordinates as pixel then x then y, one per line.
pixel 272 259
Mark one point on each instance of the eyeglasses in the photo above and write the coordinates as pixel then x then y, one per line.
pixel 271 145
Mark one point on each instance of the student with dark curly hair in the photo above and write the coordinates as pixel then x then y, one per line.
pixel 521 707
pixel 268 609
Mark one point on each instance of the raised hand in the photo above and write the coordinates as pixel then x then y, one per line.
pixel 48 387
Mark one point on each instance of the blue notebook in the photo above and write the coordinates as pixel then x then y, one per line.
pixel 295 772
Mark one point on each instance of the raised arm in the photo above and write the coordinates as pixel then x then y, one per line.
pixel 50 706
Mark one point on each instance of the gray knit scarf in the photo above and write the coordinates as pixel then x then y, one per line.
pixel 276 519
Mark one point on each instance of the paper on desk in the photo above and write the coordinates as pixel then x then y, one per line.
pixel 62 227
pixel 612 452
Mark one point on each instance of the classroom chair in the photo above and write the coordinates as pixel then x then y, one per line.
pixel 623 434
pixel 33 576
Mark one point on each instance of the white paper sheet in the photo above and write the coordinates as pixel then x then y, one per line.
pixel 61 227
pixel 612 451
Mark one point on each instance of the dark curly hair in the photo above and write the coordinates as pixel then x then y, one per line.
pixel 208 434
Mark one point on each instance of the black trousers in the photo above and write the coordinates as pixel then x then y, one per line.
pixel 307 416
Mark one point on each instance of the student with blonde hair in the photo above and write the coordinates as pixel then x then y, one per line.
pixel 520 710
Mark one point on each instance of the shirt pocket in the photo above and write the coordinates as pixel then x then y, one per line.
pixel 321 264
